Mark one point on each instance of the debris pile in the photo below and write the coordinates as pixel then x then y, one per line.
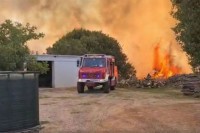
pixel 126 83
pixel 147 82
pixel 150 83
pixel 191 88
pixel 189 83
pixel 179 80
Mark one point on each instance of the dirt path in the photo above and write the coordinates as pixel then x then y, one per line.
pixel 123 110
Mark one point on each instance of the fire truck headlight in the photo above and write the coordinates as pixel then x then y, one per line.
pixel 98 76
pixel 84 75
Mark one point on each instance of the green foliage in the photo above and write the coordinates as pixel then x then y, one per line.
pixel 188 29
pixel 14 52
pixel 17 34
pixel 81 41
pixel 33 65
pixel 12 57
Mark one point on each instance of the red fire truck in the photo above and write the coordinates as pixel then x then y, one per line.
pixel 96 70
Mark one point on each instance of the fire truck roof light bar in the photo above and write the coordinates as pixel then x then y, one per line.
pixel 98 55
pixel 88 55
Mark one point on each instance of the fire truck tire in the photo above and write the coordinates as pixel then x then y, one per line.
pixel 106 87
pixel 80 87
pixel 112 87
pixel 90 88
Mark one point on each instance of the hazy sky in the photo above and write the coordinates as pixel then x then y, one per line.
pixel 139 25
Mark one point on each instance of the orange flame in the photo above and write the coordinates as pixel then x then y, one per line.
pixel 164 67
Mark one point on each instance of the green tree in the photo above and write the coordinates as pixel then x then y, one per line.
pixel 188 28
pixel 81 41
pixel 14 51
pixel 33 65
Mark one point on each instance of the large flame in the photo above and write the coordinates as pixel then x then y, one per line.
pixel 164 66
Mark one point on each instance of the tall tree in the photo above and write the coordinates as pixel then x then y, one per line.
pixel 14 51
pixel 81 41
pixel 188 28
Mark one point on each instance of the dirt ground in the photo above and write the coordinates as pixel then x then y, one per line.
pixel 123 110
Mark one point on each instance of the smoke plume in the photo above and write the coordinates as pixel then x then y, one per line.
pixel 139 25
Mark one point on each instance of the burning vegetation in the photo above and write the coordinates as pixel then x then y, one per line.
pixel 164 66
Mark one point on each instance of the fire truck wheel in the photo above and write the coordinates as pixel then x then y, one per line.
pixel 106 87
pixel 112 87
pixel 90 88
pixel 80 87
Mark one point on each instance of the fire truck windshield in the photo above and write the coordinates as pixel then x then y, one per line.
pixel 94 62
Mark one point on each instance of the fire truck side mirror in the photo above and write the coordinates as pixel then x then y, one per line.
pixel 78 63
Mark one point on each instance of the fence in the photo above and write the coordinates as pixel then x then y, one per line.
pixel 19 103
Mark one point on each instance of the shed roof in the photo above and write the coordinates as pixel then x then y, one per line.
pixel 57 57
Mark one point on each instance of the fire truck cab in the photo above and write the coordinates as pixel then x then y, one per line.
pixel 95 70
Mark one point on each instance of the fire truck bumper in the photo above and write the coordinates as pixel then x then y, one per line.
pixel 92 81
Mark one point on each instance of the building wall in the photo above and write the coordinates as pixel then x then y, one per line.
pixel 64 69
pixel 65 73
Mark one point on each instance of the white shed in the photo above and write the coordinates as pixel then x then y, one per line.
pixel 63 71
